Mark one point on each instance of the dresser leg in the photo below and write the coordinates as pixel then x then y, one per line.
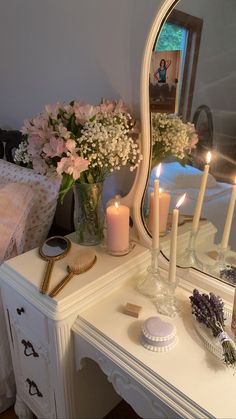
pixel 22 410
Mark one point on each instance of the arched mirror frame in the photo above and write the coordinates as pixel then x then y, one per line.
pixel 190 276
pixel 142 176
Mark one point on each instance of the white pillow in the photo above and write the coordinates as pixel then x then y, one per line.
pixel 173 175
pixel 42 212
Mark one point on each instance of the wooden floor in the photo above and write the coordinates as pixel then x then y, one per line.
pixel 121 411
pixel 8 414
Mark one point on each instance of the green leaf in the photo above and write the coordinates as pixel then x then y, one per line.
pixel 90 178
pixel 60 112
pixel 93 118
pixel 66 184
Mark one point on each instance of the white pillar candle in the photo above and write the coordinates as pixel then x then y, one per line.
pixel 173 241
pixel 229 218
pixel 198 208
pixel 117 217
pixel 164 205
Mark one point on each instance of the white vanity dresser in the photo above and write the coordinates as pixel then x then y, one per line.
pixel 50 339
pixel 40 333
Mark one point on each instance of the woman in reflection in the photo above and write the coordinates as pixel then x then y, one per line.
pixel 160 73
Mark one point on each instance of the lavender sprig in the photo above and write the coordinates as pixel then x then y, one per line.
pixel 209 310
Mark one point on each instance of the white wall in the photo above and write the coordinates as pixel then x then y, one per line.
pixel 59 50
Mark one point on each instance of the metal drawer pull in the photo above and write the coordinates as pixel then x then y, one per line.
pixel 20 310
pixel 32 384
pixel 29 349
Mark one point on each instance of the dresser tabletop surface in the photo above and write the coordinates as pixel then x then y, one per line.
pixel 189 367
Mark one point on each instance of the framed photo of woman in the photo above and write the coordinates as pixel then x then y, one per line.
pixel 164 78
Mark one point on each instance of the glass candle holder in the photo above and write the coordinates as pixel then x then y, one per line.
pixel 220 267
pixel 189 257
pixel 151 282
pixel 166 303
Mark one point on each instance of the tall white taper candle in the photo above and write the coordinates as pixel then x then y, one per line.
pixel 173 246
pixel 155 232
pixel 173 242
pixel 229 218
pixel 198 208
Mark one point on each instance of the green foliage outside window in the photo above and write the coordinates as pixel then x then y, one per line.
pixel 171 38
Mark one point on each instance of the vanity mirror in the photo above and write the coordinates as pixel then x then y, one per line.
pixel 189 71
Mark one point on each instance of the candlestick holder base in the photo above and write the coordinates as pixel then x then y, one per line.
pixel 189 258
pixel 167 303
pixel 221 267
pixel 121 252
pixel 151 282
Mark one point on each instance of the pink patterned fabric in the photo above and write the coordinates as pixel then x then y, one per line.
pixel 42 212
pixel 27 206
pixel 16 201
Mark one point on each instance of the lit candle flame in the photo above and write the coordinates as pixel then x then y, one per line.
pixel 116 204
pixel 180 201
pixel 208 157
pixel 158 170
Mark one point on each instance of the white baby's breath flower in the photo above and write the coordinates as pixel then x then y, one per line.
pixel 171 136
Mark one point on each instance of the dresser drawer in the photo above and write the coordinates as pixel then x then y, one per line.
pixel 24 315
pixel 33 373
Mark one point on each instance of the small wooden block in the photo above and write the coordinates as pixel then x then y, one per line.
pixel 213 254
pixel 132 309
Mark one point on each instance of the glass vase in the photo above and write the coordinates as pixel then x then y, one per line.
pixel 88 213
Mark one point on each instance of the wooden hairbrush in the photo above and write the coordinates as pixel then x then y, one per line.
pixel 83 261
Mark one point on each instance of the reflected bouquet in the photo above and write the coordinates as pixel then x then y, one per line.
pixel 209 310
pixel 171 137
pixel 81 143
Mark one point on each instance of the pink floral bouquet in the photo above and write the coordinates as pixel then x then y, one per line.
pixel 81 143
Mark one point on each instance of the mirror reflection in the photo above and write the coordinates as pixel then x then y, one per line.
pixel 192 112
pixel 54 247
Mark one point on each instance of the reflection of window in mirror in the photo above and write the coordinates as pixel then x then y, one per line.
pixel 174 62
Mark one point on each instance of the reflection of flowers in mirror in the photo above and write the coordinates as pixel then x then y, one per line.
pixel 171 137
pixel 81 143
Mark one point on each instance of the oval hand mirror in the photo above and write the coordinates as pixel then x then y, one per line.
pixel 54 248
